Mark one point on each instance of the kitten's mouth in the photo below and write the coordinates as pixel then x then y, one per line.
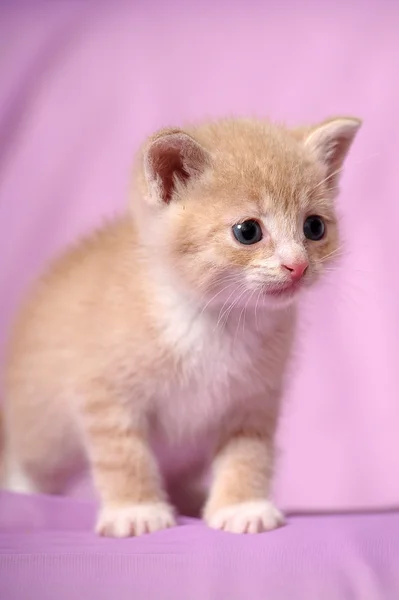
pixel 285 290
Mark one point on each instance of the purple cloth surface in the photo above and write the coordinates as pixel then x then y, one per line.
pixel 48 551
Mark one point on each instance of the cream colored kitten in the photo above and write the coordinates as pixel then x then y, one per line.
pixel 158 345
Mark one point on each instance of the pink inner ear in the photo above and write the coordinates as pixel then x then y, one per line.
pixel 174 156
pixel 167 164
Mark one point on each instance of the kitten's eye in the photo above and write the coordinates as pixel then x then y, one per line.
pixel 314 228
pixel 248 232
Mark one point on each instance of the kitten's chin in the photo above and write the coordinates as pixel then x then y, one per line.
pixel 281 297
pixel 279 302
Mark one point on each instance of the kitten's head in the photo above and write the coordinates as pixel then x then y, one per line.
pixel 243 208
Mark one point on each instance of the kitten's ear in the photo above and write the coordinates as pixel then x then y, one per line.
pixel 329 143
pixel 172 158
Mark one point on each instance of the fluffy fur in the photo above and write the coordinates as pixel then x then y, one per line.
pixel 158 345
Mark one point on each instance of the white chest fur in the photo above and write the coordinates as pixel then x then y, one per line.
pixel 214 369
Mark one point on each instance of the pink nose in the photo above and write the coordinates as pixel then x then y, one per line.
pixel 296 269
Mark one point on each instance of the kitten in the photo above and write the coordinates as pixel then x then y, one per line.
pixel 167 333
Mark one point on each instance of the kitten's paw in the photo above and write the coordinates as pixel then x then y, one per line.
pixel 255 516
pixel 134 519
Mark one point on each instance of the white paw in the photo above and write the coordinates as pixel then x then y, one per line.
pixel 247 517
pixel 134 519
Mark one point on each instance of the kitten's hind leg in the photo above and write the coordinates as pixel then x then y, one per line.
pixel 21 479
pixel 16 479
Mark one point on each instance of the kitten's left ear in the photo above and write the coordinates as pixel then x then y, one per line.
pixel 329 143
pixel 172 158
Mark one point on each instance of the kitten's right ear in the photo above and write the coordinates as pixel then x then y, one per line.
pixel 172 157
pixel 330 141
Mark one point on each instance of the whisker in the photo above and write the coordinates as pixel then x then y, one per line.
pixel 330 176
pixel 337 250
pixel 337 171
pixel 227 312
pixel 216 295
pixel 218 282
pixel 222 312
pixel 256 308
pixel 230 277
pixel 362 160
pixel 234 304
pixel 243 310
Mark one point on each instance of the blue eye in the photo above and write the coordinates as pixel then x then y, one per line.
pixel 314 228
pixel 247 233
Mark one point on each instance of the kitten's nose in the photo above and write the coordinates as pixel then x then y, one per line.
pixel 296 269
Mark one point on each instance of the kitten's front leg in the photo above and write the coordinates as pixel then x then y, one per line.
pixel 124 467
pixel 239 496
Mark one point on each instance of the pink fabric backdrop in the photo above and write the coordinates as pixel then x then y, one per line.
pixel 81 83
